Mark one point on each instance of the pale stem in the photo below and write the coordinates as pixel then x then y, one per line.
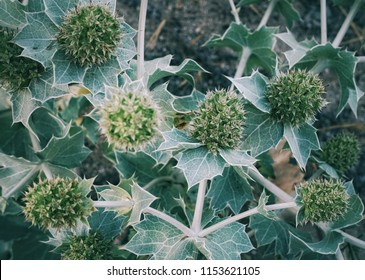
pixel 234 12
pixel 141 38
pixel 157 181
pixel 113 203
pixel 245 214
pixel 198 213
pixel 352 239
pixel 267 14
pixel 37 147
pixel 172 221
pixel 246 52
pixel 346 24
pixel 361 59
pixel 339 255
pixel 323 22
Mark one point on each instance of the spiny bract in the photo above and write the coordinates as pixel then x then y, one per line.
pixel 295 97
pixel 16 72
pixel 219 121
pixel 322 200
pixel 56 203
pixel 342 151
pixel 89 34
pixel 88 247
pixel 129 120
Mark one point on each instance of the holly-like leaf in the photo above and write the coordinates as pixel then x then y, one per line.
pixel 23 106
pixel 117 193
pixel 107 223
pixel 37 38
pixel 353 214
pixel 66 71
pixel 199 164
pixel 57 10
pixel 15 174
pixel 302 140
pixel 259 43
pixel 177 139
pixel 189 103
pixel 236 157
pixel 126 49
pixel 142 199
pixel 12 14
pixel 229 190
pixel 327 168
pixel 227 243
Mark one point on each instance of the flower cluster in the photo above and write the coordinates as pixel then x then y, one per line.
pixel 322 200
pixel 341 151
pixel 295 97
pixel 89 34
pixel 56 203
pixel 219 121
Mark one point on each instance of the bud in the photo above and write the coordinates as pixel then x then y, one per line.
pixel 219 121
pixel 56 203
pixel 89 34
pixel 341 151
pixel 322 200
pixel 88 247
pixel 295 97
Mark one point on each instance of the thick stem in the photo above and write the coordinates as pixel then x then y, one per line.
pixel 346 24
pixel 339 255
pixel 323 22
pixel 184 229
pixel 352 239
pixel 198 213
pixel 234 12
pixel 37 147
pixel 246 52
pixel 113 204
pixel 267 14
pixel 157 181
pixel 141 38
pixel 245 214
pixel 361 59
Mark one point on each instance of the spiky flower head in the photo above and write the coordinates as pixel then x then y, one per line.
pixel 295 97
pixel 342 151
pixel 56 203
pixel 90 34
pixel 129 120
pixel 16 72
pixel 88 247
pixel 219 121
pixel 322 200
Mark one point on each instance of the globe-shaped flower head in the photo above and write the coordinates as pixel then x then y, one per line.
pixel 57 203
pixel 129 120
pixel 295 97
pixel 89 34
pixel 219 121
pixel 16 72
pixel 322 200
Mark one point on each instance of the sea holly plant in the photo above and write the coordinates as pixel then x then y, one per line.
pixel 192 174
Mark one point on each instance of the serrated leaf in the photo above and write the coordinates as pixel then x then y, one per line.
pixel 65 70
pixel 116 193
pixel 199 164
pixel 327 168
pixel 261 132
pixel 328 245
pixel 177 139
pixel 126 49
pixel 107 223
pixel 67 151
pixel 288 11
pixel 37 38
pixel 236 157
pixel 56 10
pixel 352 216
pixel 12 14
pixel 142 199
pixel 302 140
pixel 186 104
pixel 261 207
pixel 15 174
pixel 23 106
pixel 229 190
pixel 227 243
pixel 253 89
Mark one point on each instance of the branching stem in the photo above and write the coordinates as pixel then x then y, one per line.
pixel 198 213
pixel 234 12
pixel 141 38
pixel 267 14
pixel 323 22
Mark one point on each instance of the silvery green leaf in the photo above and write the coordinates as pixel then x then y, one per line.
pixel 59 171
pixel 261 207
pixel 126 49
pixel 327 168
pixel 15 174
pixel 229 190
pixel 35 6
pixel 236 157
pixel 261 132
pixel 142 199
pixel 65 70
pixel 117 193
pixel 227 243
pixel 106 223
pixel 200 164
pixel 302 140
pixel 57 10
pixel 38 38
pixel 177 139
pixel 42 88
pixel 328 245
pixel 353 214
pixel 164 100
pixel 23 106
pixel 12 14
pixel 188 103
pixel 253 89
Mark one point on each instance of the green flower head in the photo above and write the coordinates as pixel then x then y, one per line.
pixel 89 34
pixel 88 247
pixel 16 72
pixel 322 200
pixel 295 97
pixel 342 151
pixel 219 121
pixel 129 120
pixel 56 203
